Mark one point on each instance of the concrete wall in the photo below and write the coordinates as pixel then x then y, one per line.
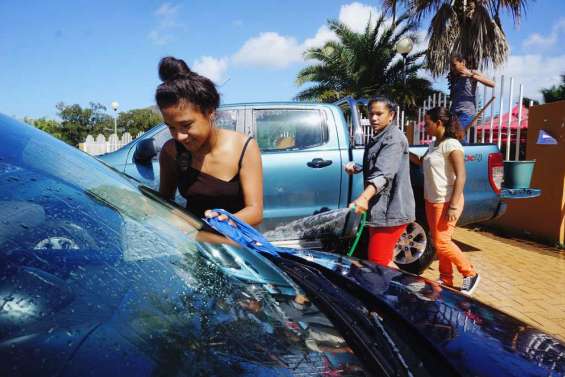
pixel 542 218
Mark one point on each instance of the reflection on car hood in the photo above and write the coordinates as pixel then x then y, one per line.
pixel 476 338
pixel 154 316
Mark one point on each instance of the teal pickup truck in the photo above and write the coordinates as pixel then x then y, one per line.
pixel 304 148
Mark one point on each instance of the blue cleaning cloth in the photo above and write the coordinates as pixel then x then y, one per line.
pixel 244 234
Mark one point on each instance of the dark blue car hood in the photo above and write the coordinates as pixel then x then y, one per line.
pixel 476 339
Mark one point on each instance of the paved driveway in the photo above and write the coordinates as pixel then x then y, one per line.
pixel 523 279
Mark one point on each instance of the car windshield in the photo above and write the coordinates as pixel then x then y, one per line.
pixel 97 277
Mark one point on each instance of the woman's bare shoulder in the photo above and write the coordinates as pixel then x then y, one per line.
pixel 233 138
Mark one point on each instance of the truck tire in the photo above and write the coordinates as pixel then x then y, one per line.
pixel 414 251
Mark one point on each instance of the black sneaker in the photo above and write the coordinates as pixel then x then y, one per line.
pixel 470 283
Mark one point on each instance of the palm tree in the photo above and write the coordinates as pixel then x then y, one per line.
pixel 555 93
pixel 392 6
pixel 471 28
pixel 364 64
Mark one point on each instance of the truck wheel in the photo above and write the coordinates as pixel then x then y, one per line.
pixel 414 251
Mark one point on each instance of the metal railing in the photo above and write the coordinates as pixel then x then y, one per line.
pixel 507 127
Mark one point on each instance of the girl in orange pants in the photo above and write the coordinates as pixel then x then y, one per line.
pixel 447 251
pixel 444 180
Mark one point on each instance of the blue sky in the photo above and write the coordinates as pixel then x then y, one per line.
pixel 102 51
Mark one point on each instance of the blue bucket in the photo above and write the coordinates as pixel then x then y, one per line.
pixel 518 174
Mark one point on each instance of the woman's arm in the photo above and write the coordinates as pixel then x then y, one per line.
pixel 251 176
pixel 168 171
pixel 478 76
pixel 457 159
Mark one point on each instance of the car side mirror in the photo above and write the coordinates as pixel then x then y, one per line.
pixel 145 151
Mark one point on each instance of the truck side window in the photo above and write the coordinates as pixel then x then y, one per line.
pixel 288 129
pixel 346 110
pixel 226 119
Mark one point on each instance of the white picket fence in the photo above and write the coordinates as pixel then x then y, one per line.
pixel 100 145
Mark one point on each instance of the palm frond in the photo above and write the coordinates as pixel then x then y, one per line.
pixel 421 8
pixel 443 33
pixel 470 27
pixel 482 42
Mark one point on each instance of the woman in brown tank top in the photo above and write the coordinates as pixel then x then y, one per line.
pixel 211 167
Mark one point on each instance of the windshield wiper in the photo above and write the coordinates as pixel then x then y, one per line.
pixel 371 343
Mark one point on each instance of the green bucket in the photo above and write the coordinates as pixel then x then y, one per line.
pixel 518 174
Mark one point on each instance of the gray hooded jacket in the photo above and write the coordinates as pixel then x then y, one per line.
pixel 386 166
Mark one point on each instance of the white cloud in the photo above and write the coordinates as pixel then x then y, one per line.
pixel 159 38
pixel 269 49
pixel 167 10
pixel 166 16
pixel 357 15
pixel 534 72
pixel 214 69
pixel 273 50
pixel 537 40
pixel 323 35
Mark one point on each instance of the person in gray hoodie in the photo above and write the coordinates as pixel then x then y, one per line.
pixel 388 196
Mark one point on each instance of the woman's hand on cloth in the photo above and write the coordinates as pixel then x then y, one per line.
pixel 211 214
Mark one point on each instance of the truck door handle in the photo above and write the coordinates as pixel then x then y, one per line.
pixel 317 163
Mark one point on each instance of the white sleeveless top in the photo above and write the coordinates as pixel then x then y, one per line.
pixel 439 175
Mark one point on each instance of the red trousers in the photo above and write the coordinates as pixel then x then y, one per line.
pixel 382 241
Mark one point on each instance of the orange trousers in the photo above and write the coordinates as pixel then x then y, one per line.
pixel 447 251
pixel 382 242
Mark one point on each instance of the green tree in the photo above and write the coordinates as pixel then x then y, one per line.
pixel 472 28
pixel 526 102
pixel 364 64
pixel 77 122
pixel 50 126
pixel 555 93
pixel 135 121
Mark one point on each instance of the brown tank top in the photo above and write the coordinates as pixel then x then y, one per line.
pixel 204 191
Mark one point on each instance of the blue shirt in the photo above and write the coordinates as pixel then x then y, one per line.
pixel 462 92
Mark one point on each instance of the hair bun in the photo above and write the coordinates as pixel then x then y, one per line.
pixel 171 68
